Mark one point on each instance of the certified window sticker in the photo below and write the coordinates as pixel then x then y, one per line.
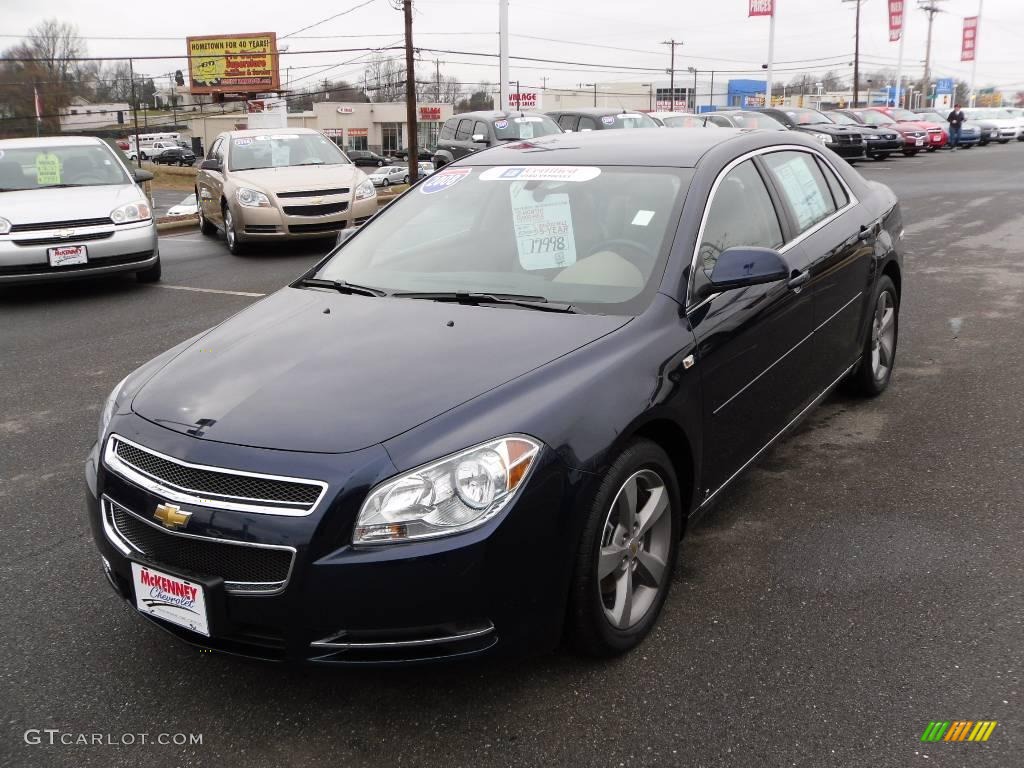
pixel 573 173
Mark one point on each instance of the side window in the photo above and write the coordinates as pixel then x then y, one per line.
pixel 448 129
pixel 587 124
pixel 719 121
pixel 802 185
pixel 480 128
pixel 463 132
pixel 838 191
pixel 741 213
pixel 567 122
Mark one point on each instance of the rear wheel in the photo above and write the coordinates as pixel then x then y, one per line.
pixel 880 156
pixel 206 226
pixel 878 356
pixel 406 180
pixel 150 275
pixel 627 553
pixel 385 183
pixel 1004 141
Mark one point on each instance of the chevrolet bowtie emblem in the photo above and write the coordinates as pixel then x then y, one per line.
pixel 171 516
pixel 65 233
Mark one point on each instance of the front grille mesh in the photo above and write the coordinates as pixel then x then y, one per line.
pixel 325 209
pixel 223 484
pixel 257 568
pixel 67 224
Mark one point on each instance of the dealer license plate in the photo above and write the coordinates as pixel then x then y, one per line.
pixel 170 598
pixel 920 142
pixel 66 255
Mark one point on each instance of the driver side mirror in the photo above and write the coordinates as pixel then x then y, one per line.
pixel 141 176
pixel 743 266
pixel 213 164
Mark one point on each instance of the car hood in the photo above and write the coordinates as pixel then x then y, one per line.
pixel 38 206
pixel 317 371
pixel 298 178
pixel 828 128
pixel 918 125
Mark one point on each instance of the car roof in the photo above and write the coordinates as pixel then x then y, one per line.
pixel 50 141
pixel 674 149
pixel 496 114
pixel 595 111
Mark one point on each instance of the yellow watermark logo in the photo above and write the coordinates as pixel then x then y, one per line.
pixel 959 730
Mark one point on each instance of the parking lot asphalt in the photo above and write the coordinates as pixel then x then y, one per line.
pixel 865 578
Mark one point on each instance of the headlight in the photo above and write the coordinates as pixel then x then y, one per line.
pixel 5 226
pixel 251 198
pixel 132 212
pixel 107 413
pixel 453 495
pixel 365 190
pixel 824 138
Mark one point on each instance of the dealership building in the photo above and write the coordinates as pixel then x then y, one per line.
pixel 380 127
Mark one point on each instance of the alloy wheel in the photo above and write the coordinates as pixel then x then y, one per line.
pixel 229 228
pixel 632 565
pixel 883 336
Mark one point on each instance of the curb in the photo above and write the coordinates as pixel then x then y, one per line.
pixel 178 222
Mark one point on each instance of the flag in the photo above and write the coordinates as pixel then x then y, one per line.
pixel 39 103
pixel 970 38
pixel 895 20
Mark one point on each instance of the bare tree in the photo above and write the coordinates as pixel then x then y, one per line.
pixel 384 78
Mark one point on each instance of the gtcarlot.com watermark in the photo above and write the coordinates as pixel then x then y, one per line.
pixel 54 737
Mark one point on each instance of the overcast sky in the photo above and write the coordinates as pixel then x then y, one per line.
pixel 716 35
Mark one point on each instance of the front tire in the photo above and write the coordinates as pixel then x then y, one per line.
pixel 878 355
pixel 385 183
pixel 150 275
pixel 626 554
pixel 910 152
pixel 880 156
pixel 235 246
pixel 406 180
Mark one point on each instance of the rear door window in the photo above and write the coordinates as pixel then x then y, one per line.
pixel 587 124
pixel 464 130
pixel 567 122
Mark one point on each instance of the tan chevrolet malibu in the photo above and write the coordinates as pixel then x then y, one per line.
pixel 278 184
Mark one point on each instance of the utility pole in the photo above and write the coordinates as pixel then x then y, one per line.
pixel 503 75
pixel 711 94
pixel 410 96
pixel 135 115
pixel 856 54
pixel 931 8
pixel 437 97
pixel 692 106
pixel 672 72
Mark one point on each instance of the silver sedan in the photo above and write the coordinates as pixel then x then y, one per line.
pixel 390 174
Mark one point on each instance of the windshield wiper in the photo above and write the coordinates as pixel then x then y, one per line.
pixel 538 303
pixel 342 286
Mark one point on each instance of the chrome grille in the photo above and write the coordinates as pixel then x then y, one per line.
pixel 315 192
pixel 245 568
pixel 210 486
pixel 42 226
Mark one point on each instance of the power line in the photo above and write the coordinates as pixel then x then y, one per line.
pixel 331 18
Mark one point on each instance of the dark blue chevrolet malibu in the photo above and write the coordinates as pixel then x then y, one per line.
pixel 481 424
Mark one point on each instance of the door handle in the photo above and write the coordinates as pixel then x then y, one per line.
pixel 867 233
pixel 798 279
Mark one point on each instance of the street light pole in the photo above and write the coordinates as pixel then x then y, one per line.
pixel 694 103
pixel 672 72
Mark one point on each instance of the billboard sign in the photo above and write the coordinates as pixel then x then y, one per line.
pixel 895 20
pixel 524 101
pixel 244 63
pixel 970 38
pixel 944 85
pixel 762 8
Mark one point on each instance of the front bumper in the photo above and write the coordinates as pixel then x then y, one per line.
pixel 302 221
pixel 883 145
pixel 464 595
pixel 848 150
pixel 110 249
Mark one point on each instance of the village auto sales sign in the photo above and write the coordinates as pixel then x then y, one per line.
pixel 762 8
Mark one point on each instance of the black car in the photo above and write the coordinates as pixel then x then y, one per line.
pixel 846 142
pixel 483 422
pixel 742 118
pixel 879 142
pixel 424 154
pixel 367 159
pixel 598 119
pixel 470 132
pixel 914 138
pixel 179 156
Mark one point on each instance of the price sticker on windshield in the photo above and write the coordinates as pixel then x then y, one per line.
pixel 47 169
pixel 543 227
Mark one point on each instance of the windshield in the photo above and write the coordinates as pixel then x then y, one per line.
pixel 592 237
pixel 807 116
pixel 875 118
pixel 524 127
pixel 841 119
pixel 628 120
pixel 47 166
pixel 282 150
pixel 685 121
pixel 904 115
pixel 190 200
pixel 756 120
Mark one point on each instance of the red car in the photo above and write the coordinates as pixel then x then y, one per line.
pixel 937 135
